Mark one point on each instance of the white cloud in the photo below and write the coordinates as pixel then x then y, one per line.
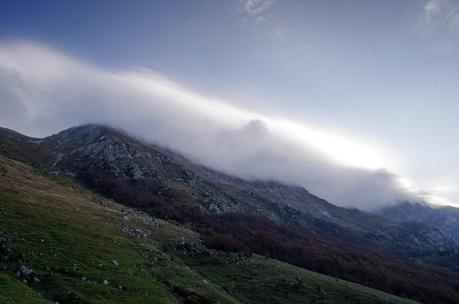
pixel 453 20
pixel 257 13
pixel 256 7
pixel 433 8
pixel 442 15
pixel 44 91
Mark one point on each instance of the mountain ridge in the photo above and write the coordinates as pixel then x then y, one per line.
pixel 232 214
pixel 126 256
pixel 87 150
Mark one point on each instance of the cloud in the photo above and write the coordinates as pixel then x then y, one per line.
pixel 433 8
pixel 44 91
pixel 256 7
pixel 441 15
pixel 257 13
pixel 453 20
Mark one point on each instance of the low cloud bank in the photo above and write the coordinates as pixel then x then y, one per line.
pixel 44 91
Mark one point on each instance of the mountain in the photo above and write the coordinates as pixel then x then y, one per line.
pixel 444 218
pixel 61 243
pixel 285 222
pixel 147 176
pixel 144 175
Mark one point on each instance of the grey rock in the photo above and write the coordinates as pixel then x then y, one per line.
pixel 23 271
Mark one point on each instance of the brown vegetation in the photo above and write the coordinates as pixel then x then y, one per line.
pixel 342 256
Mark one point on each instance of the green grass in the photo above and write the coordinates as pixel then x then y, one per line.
pixel 260 280
pixel 70 237
pixel 13 291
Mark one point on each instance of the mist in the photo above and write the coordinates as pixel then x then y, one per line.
pixel 43 91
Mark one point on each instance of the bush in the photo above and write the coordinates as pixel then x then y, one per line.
pixel 223 242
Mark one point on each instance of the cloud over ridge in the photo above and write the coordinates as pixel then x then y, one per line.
pixel 44 91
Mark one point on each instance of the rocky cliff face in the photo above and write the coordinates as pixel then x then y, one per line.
pixel 445 219
pixel 146 176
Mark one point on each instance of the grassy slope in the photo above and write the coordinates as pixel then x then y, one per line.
pixel 70 238
pixel 13 291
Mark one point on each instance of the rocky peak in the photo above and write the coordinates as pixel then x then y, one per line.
pixel 81 134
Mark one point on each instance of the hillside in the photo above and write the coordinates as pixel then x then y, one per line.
pixel 244 217
pixel 124 168
pixel 445 218
pixel 63 243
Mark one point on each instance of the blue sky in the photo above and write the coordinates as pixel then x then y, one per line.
pixel 381 73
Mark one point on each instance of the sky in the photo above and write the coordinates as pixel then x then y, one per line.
pixel 354 100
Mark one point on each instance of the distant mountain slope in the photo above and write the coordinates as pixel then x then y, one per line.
pixel 144 175
pixel 235 215
pixel 127 169
pixel 445 218
pixel 24 148
pixel 60 243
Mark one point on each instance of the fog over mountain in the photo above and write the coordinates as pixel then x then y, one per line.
pixel 43 91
